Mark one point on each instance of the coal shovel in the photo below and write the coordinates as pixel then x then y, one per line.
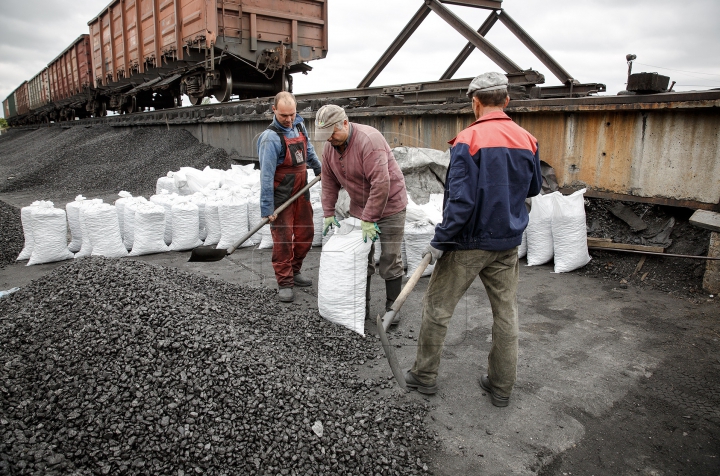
pixel 384 322
pixel 210 253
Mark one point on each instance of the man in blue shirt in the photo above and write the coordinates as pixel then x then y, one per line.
pixel 285 154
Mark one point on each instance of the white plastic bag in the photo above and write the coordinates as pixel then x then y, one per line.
pixel 49 227
pixel 254 217
pixel 103 228
pixel 200 200
pixel 343 277
pixel 86 246
pixel 539 230
pixel 73 216
pixel 185 226
pixel 522 249
pixel 417 237
pixel 26 220
pixel 569 230
pixel 129 220
pixel 166 200
pixel 149 230
pixel 125 197
pixel 233 221
pixel 212 222
pixel 166 183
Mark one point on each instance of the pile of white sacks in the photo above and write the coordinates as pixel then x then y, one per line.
pixel 190 208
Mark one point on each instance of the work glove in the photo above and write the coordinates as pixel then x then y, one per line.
pixel 435 253
pixel 329 223
pixel 369 230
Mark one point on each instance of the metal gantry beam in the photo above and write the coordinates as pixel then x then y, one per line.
pixel 469 48
pixel 495 55
pixel 536 49
pixel 409 29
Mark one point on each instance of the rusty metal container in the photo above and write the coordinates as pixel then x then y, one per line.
pixel 131 37
pixel 9 107
pixel 69 72
pixel 21 99
pixel 648 83
pixel 39 90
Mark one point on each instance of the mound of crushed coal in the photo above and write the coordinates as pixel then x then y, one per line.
pixel 11 234
pixel 93 159
pixel 121 367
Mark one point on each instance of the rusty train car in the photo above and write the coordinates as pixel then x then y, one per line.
pixel 142 54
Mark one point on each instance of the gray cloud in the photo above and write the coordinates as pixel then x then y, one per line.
pixel 588 37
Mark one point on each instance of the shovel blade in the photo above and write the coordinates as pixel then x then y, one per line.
pixel 390 355
pixel 207 254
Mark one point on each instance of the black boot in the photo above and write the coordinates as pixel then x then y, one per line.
pixel 367 299
pixel 392 291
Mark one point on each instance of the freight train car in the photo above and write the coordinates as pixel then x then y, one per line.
pixel 148 53
pixel 71 81
pixel 39 97
pixel 14 103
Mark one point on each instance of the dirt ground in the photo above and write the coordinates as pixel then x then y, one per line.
pixel 614 378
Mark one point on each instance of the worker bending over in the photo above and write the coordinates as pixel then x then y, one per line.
pixel 357 158
pixel 285 153
pixel 494 167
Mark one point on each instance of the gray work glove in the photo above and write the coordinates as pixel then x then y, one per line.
pixel 435 253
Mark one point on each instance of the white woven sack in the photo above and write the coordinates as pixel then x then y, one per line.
pixel 73 216
pixel 49 235
pixel 129 219
pixel 149 230
pixel 522 249
pixel 318 222
pixel 185 226
pixel 569 229
pixel 539 230
pixel 233 221
pixel 254 217
pixel 125 197
pixel 166 183
pixel 343 277
pixel 26 220
pixel 200 200
pixel 103 228
pixel 417 238
pixel 212 222
pixel 86 246
pixel 166 200
pixel 266 240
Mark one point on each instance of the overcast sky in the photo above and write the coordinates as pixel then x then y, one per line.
pixel 589 38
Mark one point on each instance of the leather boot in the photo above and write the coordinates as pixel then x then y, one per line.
pixel 392 291
pixel 367 299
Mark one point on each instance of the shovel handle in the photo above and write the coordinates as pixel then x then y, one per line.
pixel 277 211
pixel 388 317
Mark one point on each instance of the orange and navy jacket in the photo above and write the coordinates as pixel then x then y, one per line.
pixel 494 167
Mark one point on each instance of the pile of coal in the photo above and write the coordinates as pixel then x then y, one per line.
pixel 121 367
pixel 98 159
pixel 11 234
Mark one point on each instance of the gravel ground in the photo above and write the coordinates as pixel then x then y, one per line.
pixel 99 159
pixel 152 370
pixel 11 234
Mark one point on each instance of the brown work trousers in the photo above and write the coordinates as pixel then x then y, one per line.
pixel 392 232
pixel 454 272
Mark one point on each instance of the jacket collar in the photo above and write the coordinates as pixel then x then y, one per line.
pixel 493 116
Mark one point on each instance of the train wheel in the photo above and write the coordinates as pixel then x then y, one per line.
pixel 131 105
pixel 195 101
pixel 224 92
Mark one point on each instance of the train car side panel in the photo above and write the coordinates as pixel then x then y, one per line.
pixel 21 99
pixel 38 91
